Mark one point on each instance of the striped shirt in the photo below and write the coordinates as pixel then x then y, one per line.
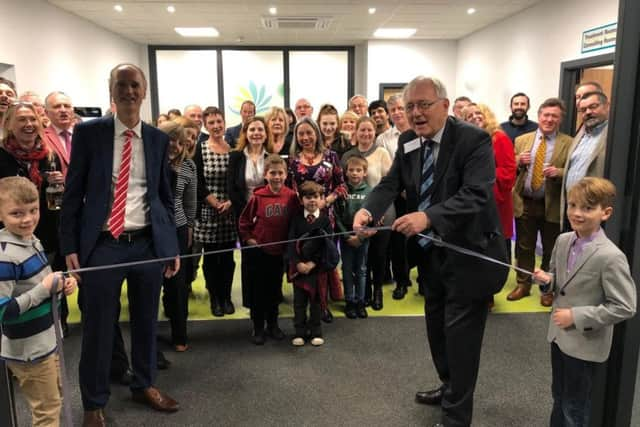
pixel 25 304
pixel 185 194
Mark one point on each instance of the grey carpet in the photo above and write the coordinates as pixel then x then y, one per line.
pixel 365 375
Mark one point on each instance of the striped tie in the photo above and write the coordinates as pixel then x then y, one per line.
pixel 428 168
pixel 116 219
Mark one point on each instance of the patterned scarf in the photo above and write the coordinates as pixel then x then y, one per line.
pixel 31 158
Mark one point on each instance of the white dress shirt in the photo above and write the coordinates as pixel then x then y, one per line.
pixel 137 208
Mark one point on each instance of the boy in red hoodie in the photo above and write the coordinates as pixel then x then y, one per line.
pixel 265 219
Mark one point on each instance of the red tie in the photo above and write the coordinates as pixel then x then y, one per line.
pixel 311 218
pixel 67 141
pixel 116 219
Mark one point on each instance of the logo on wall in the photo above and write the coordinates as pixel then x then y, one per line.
pixel 255 94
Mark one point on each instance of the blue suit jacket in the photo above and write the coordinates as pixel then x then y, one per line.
pixel 85 206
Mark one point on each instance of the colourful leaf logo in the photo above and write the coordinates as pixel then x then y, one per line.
pixel 255 94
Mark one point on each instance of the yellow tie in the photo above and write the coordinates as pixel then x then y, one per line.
pixel 537 178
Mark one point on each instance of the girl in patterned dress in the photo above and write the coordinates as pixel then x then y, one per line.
pixel 215 225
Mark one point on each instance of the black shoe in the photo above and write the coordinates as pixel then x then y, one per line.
pixel 431 397
pixel 124 379
pixel 228 307
pixel 217 310
pixel 399 292
pixel 350 310
pixel 376 304
pixel 162 363
pixel 274 332
pixel 258 337
pixel 327 317
pixel 362 311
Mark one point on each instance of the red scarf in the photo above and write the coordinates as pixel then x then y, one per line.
pixel 32 157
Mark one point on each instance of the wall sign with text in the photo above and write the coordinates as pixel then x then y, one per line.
pixel 599 38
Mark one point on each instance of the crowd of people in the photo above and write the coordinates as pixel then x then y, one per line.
pixel 117 189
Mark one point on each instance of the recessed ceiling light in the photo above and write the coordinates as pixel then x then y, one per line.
pixel 394 33
pixel 471 11
pixel 273 10
pixel 372 10
pixel 118 8
pixel 171 9
pixel 197 31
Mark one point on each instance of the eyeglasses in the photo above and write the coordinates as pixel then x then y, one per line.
pixel 422 105
pixel 593 106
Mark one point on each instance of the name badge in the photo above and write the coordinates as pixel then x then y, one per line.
pixel 411 146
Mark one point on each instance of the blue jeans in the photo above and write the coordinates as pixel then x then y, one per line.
pixel 571 389
pixel 354 271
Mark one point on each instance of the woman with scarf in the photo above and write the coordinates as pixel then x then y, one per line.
pixel 23 152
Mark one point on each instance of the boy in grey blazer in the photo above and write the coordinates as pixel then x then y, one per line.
pixel 593 289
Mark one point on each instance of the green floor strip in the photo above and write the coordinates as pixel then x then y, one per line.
pixel 411 305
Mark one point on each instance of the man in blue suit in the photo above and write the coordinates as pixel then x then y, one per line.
pixel 118 207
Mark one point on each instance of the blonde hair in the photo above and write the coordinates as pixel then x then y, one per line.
pixel 9 117
pixel 187 123
pixel 274 111
pixel 175 132
pixel 348 115
pixel 490 122
pixel 18 189
pixel 593 191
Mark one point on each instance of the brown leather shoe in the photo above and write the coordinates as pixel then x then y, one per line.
pixel 546 300
pixel 518 293
pixel 93 419
pixel 155 399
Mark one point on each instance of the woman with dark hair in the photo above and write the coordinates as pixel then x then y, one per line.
pixel 332 138
pixel 310 161
pixel 215 224
pixel 174 113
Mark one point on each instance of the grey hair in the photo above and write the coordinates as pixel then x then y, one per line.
pixel 357 96
pixel 114 71
pixel 47 104
pixel 441 91
pixel 393 99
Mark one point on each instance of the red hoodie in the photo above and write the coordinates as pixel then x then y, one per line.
pixel 266 217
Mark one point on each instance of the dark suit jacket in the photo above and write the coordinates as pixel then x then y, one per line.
pixel 87 196
pixel 236 183
pixel 463 209
pixel 232 134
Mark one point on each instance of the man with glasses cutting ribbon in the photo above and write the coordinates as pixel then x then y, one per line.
pixel 447 169
pixel 117 208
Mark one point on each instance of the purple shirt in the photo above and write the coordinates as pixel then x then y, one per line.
pixel 577 247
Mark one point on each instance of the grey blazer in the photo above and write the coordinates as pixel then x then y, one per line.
pixel 599 291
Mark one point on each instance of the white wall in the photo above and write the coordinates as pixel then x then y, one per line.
pixel 56 50
pixel 400 61
pixel 523 53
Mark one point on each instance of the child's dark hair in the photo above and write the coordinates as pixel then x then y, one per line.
pixel 18 189
pixel 358 160
pixel 594 191
pixel 310 188
pixel 274 160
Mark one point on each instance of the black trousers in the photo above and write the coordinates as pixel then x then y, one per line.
pixel 218 271
pixel 301 300
pixel 377 260
pixel 455 328
pixel 264 282
pixel 175 298
pixel 398 248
